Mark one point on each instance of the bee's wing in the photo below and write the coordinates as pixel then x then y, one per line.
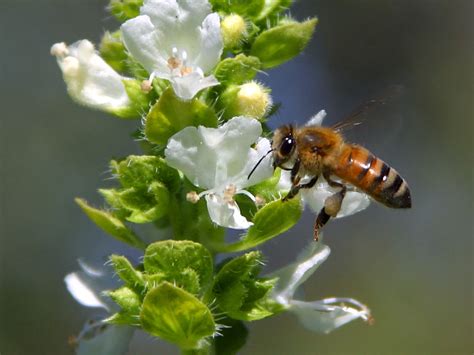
pixel 358 115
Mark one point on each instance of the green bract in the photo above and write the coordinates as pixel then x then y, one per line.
pixel 270 221
pixel 237 70
pixel 175 315
pixel 239 293
pixel 170 115
pixel 110 224
pixel 281 43
pixel 184 263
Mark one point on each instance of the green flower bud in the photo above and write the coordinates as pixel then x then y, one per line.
pixel 234 31
pixel 250 99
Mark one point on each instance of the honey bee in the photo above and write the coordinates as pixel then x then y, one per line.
pixel 315 150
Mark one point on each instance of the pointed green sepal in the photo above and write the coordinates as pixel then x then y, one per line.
pixel 184 263
pixel 124 10
pixel 111 225
pixel 270 221
pixel 237 70
pixel 175 315
pixel 238 291
pixel 283 42
pixel 170 115
pixel 131 277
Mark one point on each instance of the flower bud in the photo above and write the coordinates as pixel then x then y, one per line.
pixel 234 30
pixel 250 99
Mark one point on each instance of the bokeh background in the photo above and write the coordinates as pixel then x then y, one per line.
pixel 413 268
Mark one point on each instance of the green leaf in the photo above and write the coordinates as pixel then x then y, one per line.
pixel 270 221
pixel 237 70
pixel 185 263
pixel 111 225
pixel 170 115
pixel 239 293
pixel 174 315
pixel 124 10
pixel 245 8
pixel 234 335
pixel 113 51
pixel 141 171
pixel 132 277
pixel 283 42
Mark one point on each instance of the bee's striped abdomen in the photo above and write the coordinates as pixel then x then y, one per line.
pixel 364 170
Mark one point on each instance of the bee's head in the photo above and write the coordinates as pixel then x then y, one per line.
pixel 283 145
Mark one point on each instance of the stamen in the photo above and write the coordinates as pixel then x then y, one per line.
pixel 229 193
pixel 192 197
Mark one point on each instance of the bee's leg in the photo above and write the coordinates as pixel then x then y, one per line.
pixel 295 179
pixel 296 188
pixel 332 205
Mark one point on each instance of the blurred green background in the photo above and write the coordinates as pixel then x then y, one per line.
pixel 413 268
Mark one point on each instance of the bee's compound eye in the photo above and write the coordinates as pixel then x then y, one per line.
pixel 287 146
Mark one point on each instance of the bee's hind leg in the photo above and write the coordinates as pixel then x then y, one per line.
pixel 332 206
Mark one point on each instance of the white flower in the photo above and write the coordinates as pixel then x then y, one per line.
pixel 176 40
pixel 219 161
pixel 353 202
pixel 90 80
pixel 87 286
pixel 324 315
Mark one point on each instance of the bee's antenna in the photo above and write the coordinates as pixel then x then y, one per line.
pixel 258 163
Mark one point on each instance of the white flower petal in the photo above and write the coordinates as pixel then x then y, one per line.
pixel 317 119
pixel 89 79
pixel 187 86
pixel 264 169
pixel 143 41
pixel 353 202
pixel 226 214
pixel 214 157
pixel 83 290
pixel 104 339
pixel 293 275
pixel 324 316
pixel 176 14
pixel 211 44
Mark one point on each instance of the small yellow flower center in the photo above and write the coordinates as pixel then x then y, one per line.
pixel 229 193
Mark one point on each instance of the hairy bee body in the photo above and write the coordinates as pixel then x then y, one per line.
pixel 361 168
pixel 315 151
